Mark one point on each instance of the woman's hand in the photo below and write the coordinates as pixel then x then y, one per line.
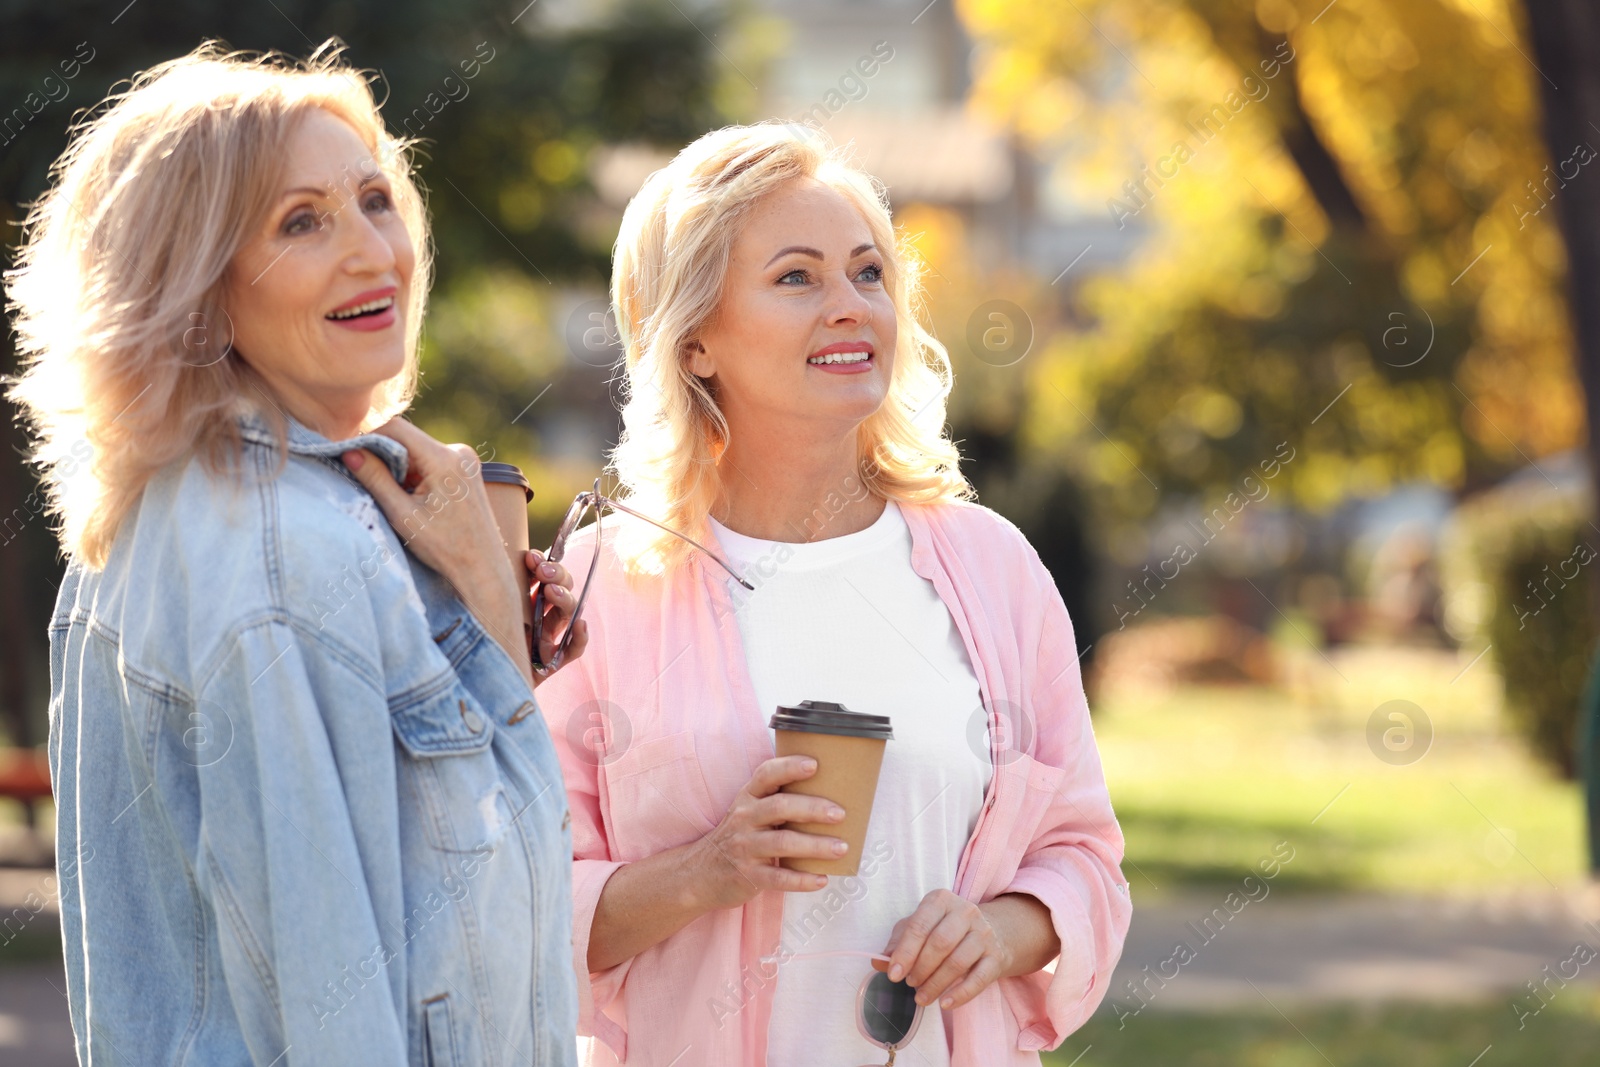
pixel 947 947
pixel 559 602
pixel 442 514
pixel 740 855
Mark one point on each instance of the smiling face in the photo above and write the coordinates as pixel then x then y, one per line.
pixel 317 297
pixel 805 331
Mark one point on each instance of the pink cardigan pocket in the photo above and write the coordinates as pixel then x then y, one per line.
pixel 660 785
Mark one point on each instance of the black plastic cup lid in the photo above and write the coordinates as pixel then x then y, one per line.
pixel 822 717
pixel 507 474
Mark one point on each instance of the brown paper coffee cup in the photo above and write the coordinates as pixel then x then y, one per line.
pixel 848 748
pixel 509 494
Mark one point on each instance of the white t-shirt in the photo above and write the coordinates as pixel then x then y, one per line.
pixel 847 620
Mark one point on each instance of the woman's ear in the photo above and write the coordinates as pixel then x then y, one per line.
pixel 701 364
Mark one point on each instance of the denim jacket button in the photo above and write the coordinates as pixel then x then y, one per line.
pixel 473 720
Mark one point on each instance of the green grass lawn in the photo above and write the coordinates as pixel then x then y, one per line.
pixel 1206 780
pixel 1565 1034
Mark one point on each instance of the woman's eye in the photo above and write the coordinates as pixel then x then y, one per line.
pixel 797 275
pixel 378 201
pixel 870 273
pixel 300 222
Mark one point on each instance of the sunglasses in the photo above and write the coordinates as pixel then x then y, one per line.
pixel 585 502
pixel 887 1013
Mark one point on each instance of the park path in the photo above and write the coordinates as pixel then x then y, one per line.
pixel 1350 947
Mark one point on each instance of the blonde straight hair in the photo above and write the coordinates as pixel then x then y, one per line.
pixel 667 277
pixel 127 355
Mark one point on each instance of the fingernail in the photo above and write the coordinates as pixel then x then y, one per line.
pixel 547 570
pixel 836 812
pixel 839 847
pixel 896 973
pixel 353 460
pixel 946 1003
pixel 808 765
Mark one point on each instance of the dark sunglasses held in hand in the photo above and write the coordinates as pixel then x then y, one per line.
pixel 887 1013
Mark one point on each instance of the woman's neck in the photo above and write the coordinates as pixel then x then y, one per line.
pixel 794 492
pixel 337 415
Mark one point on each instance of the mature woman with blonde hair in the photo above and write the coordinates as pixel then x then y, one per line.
pixel 305 810
pixel 811 537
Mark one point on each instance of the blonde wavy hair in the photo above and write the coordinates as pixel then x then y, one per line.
pixel 122 270
pixel 668 271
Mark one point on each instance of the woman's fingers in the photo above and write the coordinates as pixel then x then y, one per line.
pixel 445 520
pixel 946 948
pixel 741 854
pixel 967 953
pixel 548 573
pixel 374 476
pixel 580 641
pixel 906 943
pixel 948 932
pixel 779 808
pixel 432 461
pixel 560 600
pixel 915 952
pixel 979 978
pixel 779 771
pixel 771 876
pixel 778 843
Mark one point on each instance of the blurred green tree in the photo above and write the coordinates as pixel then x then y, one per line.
pixel 1345 244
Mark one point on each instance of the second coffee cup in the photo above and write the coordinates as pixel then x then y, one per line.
pixel 509 496
pixel 848 747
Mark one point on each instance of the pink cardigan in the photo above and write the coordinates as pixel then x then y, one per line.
pixel 657 728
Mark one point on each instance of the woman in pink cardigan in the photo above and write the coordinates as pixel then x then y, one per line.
pixel 810 536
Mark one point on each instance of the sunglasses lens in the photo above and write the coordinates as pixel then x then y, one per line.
pixel 888 1009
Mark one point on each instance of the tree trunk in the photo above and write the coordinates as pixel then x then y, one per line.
pixel 1566 46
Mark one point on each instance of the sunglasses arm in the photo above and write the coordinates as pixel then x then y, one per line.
pixel 608 502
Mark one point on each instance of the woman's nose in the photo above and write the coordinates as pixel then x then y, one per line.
pixel 367 249
pixel 845 302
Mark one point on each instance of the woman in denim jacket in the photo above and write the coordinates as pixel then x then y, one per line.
pixel 306 810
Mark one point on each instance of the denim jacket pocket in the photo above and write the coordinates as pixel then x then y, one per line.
pixel 453 769
pixel 447 722
pixel 659 797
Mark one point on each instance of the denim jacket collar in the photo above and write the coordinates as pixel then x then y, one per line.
pixel 304 441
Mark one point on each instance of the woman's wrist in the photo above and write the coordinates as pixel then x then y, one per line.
pixel 1024 932
pixel 493 600
pixel 645 902
pixel 489 596
pixel 698 887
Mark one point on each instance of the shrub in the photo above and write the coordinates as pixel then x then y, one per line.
pixel 1517 565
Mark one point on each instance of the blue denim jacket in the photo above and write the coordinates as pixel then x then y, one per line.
pixel 307 810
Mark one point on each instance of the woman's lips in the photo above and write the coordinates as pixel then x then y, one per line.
pixel 843 357
pixel 860 367
pixel 368 323
pixel 377 307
